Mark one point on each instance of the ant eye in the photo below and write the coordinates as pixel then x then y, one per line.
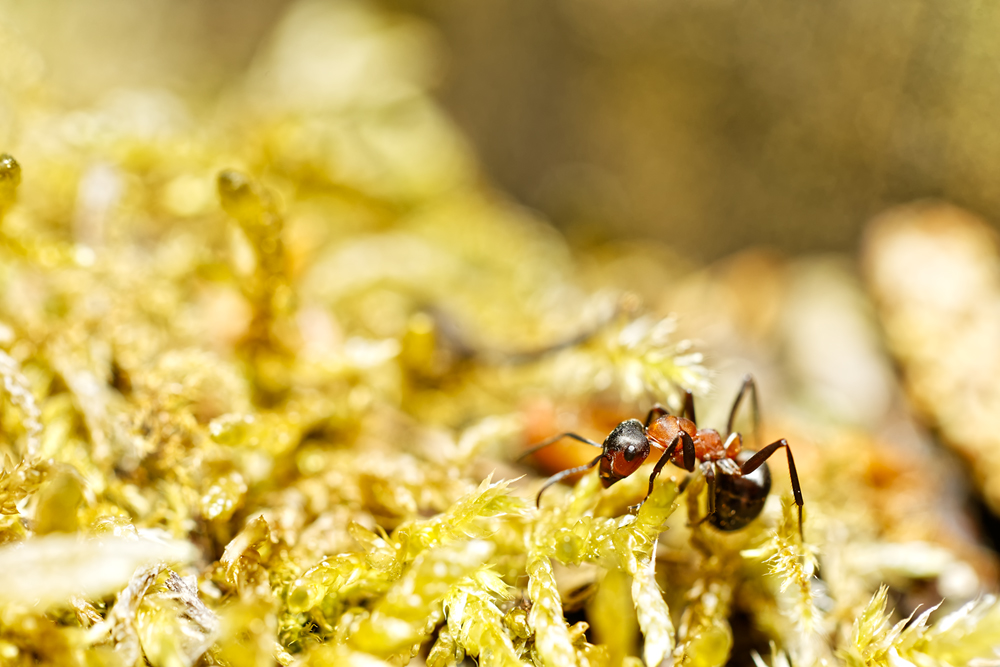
pixel 630 452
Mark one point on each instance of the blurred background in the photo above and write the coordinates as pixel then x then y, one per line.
pixel 711 125
pixel 662 137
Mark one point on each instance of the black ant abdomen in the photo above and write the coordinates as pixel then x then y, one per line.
pixel 739 499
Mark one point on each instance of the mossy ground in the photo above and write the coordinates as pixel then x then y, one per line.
pixel 266 369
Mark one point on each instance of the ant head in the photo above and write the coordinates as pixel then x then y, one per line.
pixel 624 451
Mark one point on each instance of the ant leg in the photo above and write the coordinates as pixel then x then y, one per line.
pixel 652 478
pixel 688 406
pixel 689 453
pixel 687 447
pixel 657 410
pixel 710 479
pixel 689 457
pixel 554 440
pixel 749 386
pixel 565 473
pixel 664 458
pixel 758 459
pixel 684 483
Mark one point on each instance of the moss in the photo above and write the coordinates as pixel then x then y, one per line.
pixel 264 381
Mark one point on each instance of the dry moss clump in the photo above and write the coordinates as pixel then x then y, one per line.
pixel 934 270
pixel 264 371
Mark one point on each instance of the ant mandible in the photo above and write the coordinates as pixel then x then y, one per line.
pixel 738 479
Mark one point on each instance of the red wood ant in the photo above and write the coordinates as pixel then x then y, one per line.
pixel 738 479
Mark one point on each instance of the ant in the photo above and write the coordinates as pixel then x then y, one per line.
pixel 738 479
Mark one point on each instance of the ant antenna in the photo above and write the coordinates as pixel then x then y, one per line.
pixel 553 440
pixel 564 474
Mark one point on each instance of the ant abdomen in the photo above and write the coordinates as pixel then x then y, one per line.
pixel 739 499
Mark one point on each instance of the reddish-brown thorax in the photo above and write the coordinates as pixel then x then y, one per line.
pixel 708 444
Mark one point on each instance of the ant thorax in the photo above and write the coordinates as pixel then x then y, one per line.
pixel 708 444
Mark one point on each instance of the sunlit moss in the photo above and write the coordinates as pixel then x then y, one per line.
pixel 10 178
pixel 260 372
pixel 959 638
